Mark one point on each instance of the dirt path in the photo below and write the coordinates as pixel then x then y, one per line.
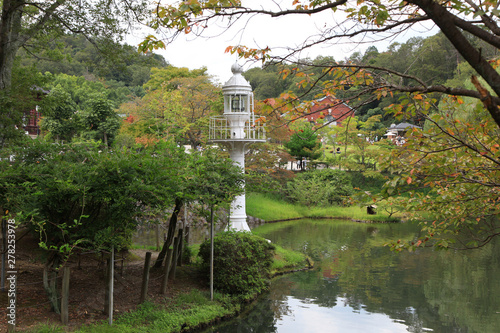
pixel 86 295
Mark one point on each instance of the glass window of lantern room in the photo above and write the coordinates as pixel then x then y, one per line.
pixel 244 103
pixel 238 103
pixel 235 103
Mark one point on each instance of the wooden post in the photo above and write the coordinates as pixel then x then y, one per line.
pixel 145 278
pixel 166 270
pixel 106 287
pixel 181 246
pixel 186 235
pixel 65 297
pixel 185 215
pixel 175 257
pixel 158 248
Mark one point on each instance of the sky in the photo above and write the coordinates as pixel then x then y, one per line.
pixel 278 33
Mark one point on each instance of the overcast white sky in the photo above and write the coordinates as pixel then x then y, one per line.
pixel 287 31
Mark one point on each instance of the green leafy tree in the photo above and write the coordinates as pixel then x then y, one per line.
pixel 208 178
pixel 60 117
pixel 73 54
pixel 81 88
pixel 361 135
pixel 304 144
pixel 76 196
pixel 76 107
pixel 162 76
pixel 25 95
pixel 178 104
pixel 100 121
pixel 202 99
pixel 159 115
pixel 267 82
pixel 449 172
pixel 33 25
pixel 265 168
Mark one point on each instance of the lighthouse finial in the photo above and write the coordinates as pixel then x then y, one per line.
pixel 236 68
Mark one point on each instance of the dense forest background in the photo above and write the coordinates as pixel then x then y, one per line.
pixel 144 87
pixel 120 67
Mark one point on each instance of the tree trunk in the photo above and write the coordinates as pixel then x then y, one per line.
pixel 170 233
pixel 50 281
pixel 10 25
pixel 446 22
pixel 10 41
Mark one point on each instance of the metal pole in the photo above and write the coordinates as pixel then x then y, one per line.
pixel 111 284
pixel 212 253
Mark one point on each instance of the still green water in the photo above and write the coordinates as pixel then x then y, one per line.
pixel 359 285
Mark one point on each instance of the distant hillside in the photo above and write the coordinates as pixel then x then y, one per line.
pixel 75 55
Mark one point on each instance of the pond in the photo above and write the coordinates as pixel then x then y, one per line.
pixel 359 285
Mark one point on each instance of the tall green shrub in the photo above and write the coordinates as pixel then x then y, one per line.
pixel 320 188
pixel 242 262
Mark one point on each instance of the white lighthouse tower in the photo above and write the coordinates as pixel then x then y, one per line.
pixel 236 129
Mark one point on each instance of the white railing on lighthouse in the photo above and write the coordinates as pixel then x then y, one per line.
pixel 220 130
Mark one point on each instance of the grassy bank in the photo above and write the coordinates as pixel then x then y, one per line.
pixel 187 312
pixel 269 209
pixel 287 260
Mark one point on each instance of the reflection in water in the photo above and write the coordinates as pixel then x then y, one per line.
pixel 358 285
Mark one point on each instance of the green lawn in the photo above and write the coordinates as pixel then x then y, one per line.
pixel 269 209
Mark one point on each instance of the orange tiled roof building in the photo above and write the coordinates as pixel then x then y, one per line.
pixel 331 109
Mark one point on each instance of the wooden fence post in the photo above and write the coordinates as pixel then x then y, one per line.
pixel 166 270
pixel 175 257
pixel 157 234
pixel 106 287
pixel 145 277
pixel 186 233
pixel 181 246
pixel 65 296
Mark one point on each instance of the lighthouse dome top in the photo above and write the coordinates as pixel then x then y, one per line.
pixel 236 68
pixel 237 83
